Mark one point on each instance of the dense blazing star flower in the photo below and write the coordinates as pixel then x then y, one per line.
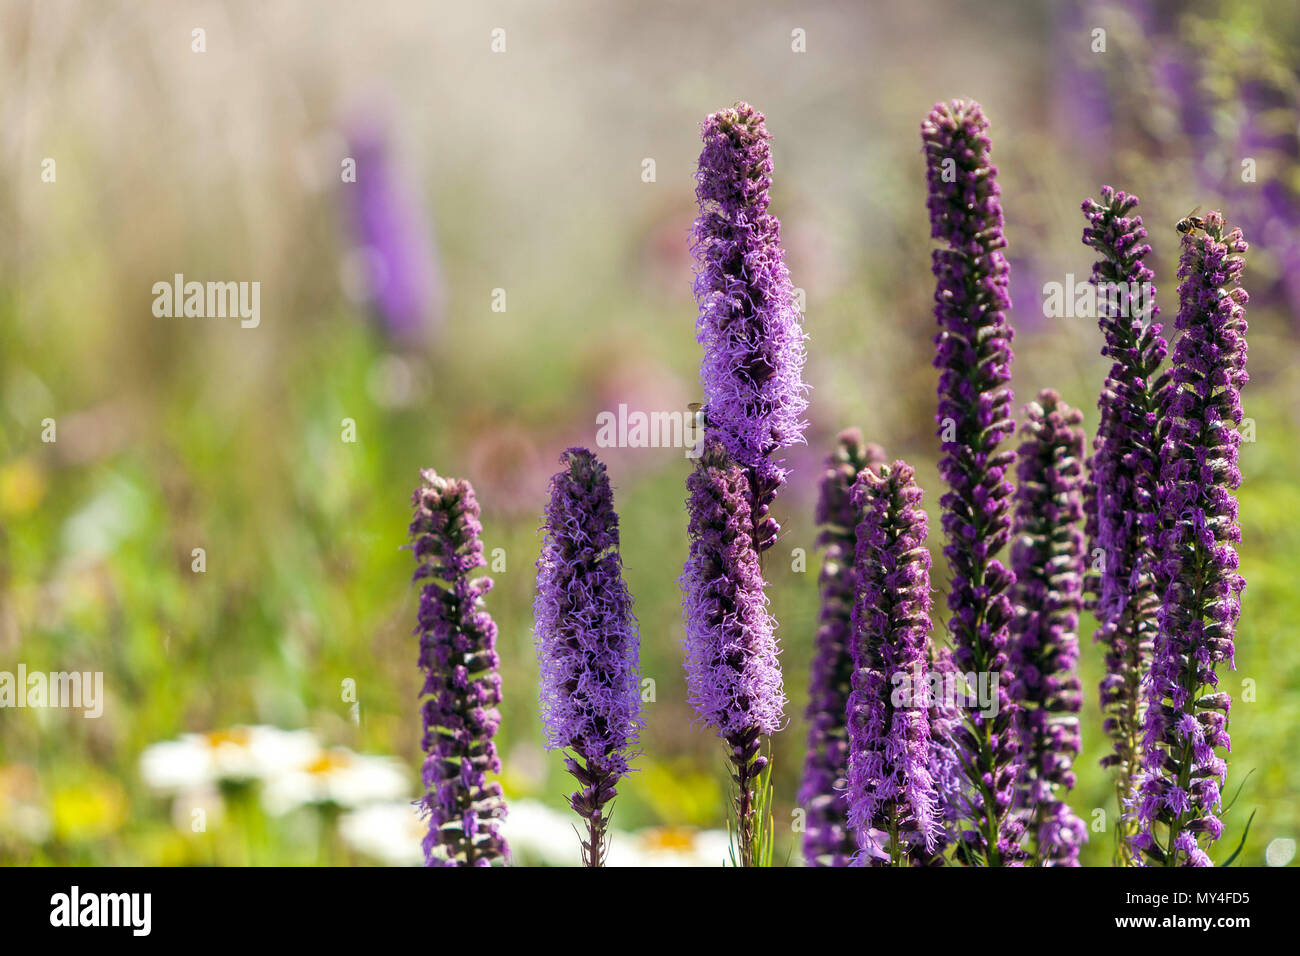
pixel 748 322
pixel 1047 557
pixel 733 677
pixel 1124 474
pixel 462 687
pixel 827 839
pixel 973 354
pixel 893 807
pixel 1176 794
pixel 587 640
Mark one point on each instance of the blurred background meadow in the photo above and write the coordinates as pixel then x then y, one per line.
pixel 503 266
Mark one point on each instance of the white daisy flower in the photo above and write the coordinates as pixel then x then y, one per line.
pixel 388 832
pixel 540 835
pixel 196 761
pixel 669 846
pixel 340 777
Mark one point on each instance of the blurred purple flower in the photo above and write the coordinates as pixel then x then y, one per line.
pixel 394 240
pixel 1232 95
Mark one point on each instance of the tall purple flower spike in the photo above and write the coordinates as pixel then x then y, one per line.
pixel 1176 795
pixel 461 687
pixel 973 354
pixel 733 677
pixel 587 641
pixel 1047 556
pixel 893 807
pixel 1120 499
pixel 748 323
pixel 827 839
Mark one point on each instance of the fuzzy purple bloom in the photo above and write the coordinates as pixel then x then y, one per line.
pixel 732 673
pixel 733 677
pixel 973 354
pixel 893 806
pixel 587 640
pixel 1047 557
pixel 828 841
pixel 1177 791
pixel 462 687
pixel 748 323
pixel 1120 499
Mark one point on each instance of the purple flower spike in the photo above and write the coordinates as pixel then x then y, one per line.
pixel 827 839
pixel 733 677
pixel 1176 794
pixel 748 323
pixel 1120 499
pixel 1047 556
pixel 893 806
pixel 462 687
pixel 587 641
pixel 973 354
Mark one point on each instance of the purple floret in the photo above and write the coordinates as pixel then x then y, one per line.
pixel 973 355
pixel 748 322
pixel 587 640
pixel 893 806
pixel 462 687
pixel 1176 795
pixel 1047 557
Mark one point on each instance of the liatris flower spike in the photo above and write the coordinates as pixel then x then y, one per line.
pixel 1121 497
pixel 827 839
pixel 587 641
pixel 974 358
pixel 733 677
pixel 462 687
pixel 1047 557
pixel 893 806
pixel 1176 795
pixel 748 323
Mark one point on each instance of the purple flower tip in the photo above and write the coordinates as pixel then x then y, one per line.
pixel 748 323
